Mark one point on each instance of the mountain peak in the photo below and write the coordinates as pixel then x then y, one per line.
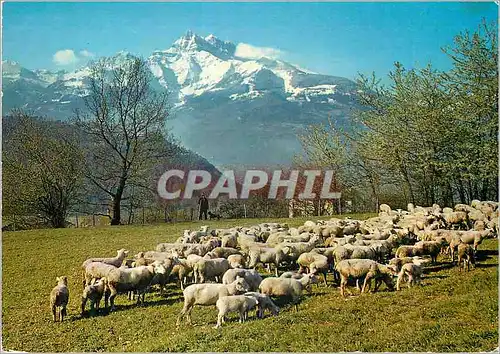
pixel 191 42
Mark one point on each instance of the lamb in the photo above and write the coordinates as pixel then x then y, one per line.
pixel 181 271
pixel 397 263
pixel 412 271
pixel 465 254
pixel 251 276
pixel 315 263
pixel 133 279
pixel 59 297
pixel 117 261
pixel 210 268
pixel 234 303
pixel 367 268
pixel 265 303
pixel 93 293
pixel 287 287
pixel 208 294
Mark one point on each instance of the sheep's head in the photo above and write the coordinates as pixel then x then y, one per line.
pixel 122 253
pixel 241 285
pixel 159 267
pixel 62 280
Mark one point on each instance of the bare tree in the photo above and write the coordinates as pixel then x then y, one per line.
pixel 42 169
pixel 125 125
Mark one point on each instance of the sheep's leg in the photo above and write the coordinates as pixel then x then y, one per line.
pixel 242 316
pixel 53 313
pixel 62 313
pixel 276 269
pixel 398 283
pixel 112 296
pixel 367 279
pixel 84 302
pixel 324 277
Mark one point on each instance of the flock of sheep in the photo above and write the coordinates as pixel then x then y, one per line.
pixel 222 263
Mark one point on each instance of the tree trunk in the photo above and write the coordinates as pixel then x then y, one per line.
pixel 117 199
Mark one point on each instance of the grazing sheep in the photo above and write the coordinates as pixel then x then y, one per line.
pixel 265 303
pixel 470 237
pixel 292 250
pixel 93 293
pixel 408 251
pixel 208 294
pixel 367 268
pixel 210 269
pixel 456 218
pixel 466 255
pixel 315 263
pixel 117 261
pixel 133 279
pixel 234 303
pixel 287 287
pixel 59 297
pixel 412 271
pixel 266 255
pixel 251 276
pixel 224 252
pixel 431 248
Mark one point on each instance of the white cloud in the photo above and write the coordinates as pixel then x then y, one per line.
pixel 85 53
pixel 65 57
pixel 245 50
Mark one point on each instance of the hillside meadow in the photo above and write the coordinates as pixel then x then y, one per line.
pixel 452 312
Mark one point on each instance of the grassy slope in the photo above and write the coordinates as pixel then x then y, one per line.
pixel 451 312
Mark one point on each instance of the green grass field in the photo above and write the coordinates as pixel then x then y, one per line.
pixel 452 311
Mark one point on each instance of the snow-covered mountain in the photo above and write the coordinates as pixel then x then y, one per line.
pixel 230 109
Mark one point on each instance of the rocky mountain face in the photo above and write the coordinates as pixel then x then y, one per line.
pixel 230 109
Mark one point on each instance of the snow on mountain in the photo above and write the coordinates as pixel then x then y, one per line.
pixel 256 106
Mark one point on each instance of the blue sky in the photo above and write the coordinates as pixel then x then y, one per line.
pixel 332 38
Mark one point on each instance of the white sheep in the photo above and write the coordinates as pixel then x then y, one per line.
pixel 210 269
pixel 287 287
pixel 131 279
pixel 94 293
pixel 95 270
pixel 251 276
pixel 465 255
pixel 234 303
pixel 367 268
pixel 236 261
pixel 315 263
pixel 117 261
pixel 59 298
pixel 208 294
pixel 266 255
pixel 265 303
pixel 413 272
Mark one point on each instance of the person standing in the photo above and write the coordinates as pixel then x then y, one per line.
pixel 203 204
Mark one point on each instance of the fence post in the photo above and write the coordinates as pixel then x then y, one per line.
pixel 93 219
pixel 143 216
pixel 76 219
